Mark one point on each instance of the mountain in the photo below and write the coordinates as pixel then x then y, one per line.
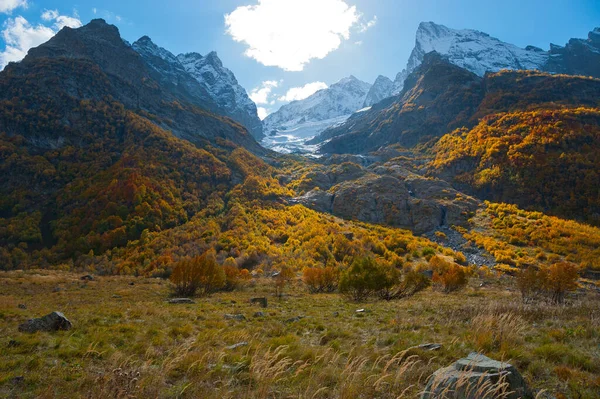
pixel 473 50
pixel 381 89
pixel 205 78
pixel 224 89
pixel 577 57
pixel 440 97
pixel 315 113
pixel 98 145
pixel 479 53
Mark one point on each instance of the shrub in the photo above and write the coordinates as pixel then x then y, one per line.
pixel 199 273
pixel 412 283
pixel 320 279
pixel 365 277
pixel 447 275
pixel 560 278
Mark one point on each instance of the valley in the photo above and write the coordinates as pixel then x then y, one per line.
pixel 350 245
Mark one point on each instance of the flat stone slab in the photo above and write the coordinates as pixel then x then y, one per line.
pixel 54 321
pixel 477 377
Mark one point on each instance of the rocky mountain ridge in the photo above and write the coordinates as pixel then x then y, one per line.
pixel 205 77
pixel 479 53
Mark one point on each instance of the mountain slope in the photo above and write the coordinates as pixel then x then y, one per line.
pixel 87 151
pixel 546 160
pixel 440 97
pixel 340 99
pixel 224 89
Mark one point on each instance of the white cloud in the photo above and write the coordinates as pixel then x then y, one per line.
pixel 290 33
pixel 262 113
pixel 49 15
pixel 260 95
pixel 300 93
pixel 95 10
pixel 7 6
pixel 368 25
pixel 19 35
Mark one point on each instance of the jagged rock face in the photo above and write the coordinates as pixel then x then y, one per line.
pixel 340 99
pixel 381 89
pixel 205 78
pixel 475 51
pixel 387 194
pixel 168 70
pixel 223 88
pixel 94 63
pixel 578 57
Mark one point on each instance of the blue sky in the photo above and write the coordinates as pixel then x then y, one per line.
pixel 375 36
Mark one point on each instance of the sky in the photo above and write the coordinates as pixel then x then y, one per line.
pixel 285 50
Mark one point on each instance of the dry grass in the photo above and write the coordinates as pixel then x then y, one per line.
pixel 129 343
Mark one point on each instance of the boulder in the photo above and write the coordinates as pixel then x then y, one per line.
pixel 177 301
pixel 51 322
pixel 260 301
pixel 87 277
pixel 259 314
pixel 475 377
pixel 238 345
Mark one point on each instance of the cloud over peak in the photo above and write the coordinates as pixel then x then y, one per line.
pixel 20 35
pixel 302 92
pixel 290 33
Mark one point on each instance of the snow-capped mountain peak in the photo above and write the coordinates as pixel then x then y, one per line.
pixel 381 89
pixel 204 77
pixel 473 50
pixel 306 118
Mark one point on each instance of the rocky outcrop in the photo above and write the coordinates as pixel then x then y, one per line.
pixel 393 196
pixel 578 57
pixel 476 377
pixel 54 321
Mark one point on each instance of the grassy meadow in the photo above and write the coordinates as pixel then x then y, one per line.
pixel 128 342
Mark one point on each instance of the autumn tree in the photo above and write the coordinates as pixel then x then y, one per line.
pixel 201 273
pixel 560 278
pixel 282 278
pixel 530 283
